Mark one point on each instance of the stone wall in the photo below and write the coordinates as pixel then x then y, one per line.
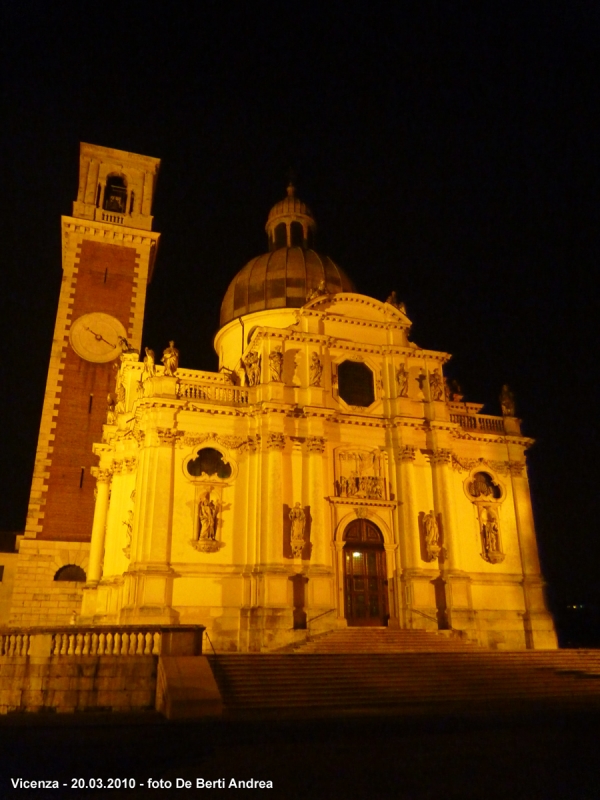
pixel 37 599
pixel 67 684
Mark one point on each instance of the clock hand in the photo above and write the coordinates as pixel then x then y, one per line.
pixel 100 338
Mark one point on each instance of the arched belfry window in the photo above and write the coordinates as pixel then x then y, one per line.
pixel 280 235
pixel 115 194
pixel 296 234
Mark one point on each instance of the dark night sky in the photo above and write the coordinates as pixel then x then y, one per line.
pixel 448 150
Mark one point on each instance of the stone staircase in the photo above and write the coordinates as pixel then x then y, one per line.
pixel 383 640
pixel 466 681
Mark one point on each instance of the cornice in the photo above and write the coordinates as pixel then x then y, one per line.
pixel 358 502
pixel 106 231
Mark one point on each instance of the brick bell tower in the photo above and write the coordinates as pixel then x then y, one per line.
pixel 108 253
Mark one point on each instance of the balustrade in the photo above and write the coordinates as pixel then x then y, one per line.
pixel 92 642
pixel 211 393
pixel 479 422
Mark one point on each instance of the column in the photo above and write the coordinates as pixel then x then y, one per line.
pixel 147 199
pixel 149 580
pixel 272 535
pixel 321 551
pixel 91 188
pixel 103 479
pixel 409 541
pixel 459 606
pixel 440 461
pixel 539 625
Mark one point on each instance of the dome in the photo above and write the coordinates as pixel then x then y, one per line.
pixel 281 279
pixel 290 271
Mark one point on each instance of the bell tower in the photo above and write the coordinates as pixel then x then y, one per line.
pixel 108 253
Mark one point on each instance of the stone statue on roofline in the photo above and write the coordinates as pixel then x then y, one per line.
pixel 507 402
pixel 319 291
pixel 171 359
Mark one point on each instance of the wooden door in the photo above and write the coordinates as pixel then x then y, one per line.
pixel 365 577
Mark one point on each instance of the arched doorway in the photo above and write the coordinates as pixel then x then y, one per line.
pixel 365 575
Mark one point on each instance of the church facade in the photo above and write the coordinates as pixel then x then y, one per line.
pixel 325 476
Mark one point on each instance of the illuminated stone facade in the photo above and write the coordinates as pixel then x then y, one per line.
pixel 325 476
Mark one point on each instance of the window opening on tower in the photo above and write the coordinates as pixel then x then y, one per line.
pixel 115 194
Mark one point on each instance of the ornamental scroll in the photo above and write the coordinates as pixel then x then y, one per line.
pixel 359 474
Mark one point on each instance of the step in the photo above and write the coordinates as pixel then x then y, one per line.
pixel 378 681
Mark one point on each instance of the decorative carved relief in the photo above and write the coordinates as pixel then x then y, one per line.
pixel 407 453
pixel 168 436
pixel 102 475
pixel 316 444
pixel 230 442
pixel 469 464
pixel 253 443
pixel 359 474
pixel 516 468
pixel 275 441
pixel 441 456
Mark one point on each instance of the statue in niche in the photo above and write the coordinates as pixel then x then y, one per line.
pixel 436 385
pixel 432 536
pixel 111 411
pixel 149 370
pixel 276 365
pixel 319 291
pixel 298 519
pixel 490 535
pixel 316 370
pixel 171 359
pixel 402 380
pixel 507 401
pixel 207 515
pixel 251 366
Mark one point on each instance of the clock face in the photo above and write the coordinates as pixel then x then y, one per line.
pixel 95 337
